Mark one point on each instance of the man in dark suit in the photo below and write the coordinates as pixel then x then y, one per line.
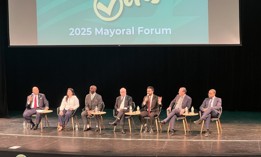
pixel 177 108
pixel 211 108
pixel 35 101
pixel 150 107
pixel 92 100
pixel 122 105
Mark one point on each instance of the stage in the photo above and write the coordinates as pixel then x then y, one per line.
pixel 241 136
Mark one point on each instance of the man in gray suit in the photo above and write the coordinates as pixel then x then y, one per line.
pixel 211 108
pixel 150 107
pixel 177 108
pixel 92 100
pixel 35 101
pixel 122 105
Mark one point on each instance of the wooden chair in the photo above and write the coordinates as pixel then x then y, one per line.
pixel 217 120
pixel 157 121
pixel 73 118
pixel 184 121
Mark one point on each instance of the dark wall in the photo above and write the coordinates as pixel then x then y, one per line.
pixel 234 71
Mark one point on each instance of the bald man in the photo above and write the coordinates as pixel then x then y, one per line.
pixel 211 108
pixel 92 100
pixel 35 101
pixel 177 108
pixel 122 105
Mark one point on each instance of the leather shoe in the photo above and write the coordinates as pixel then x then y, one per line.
pixel 97 129
pixel 162 122
pixel 113 123
pixel 32 126
pixel 35 127
pixel 198 121
pixel 207 134
pixel 87 129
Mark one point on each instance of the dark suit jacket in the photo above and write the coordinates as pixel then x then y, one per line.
pixel 91 104
pixel 217 104
pixel 154 104
pixel 127 103
pixel 42 101
pixel 185 103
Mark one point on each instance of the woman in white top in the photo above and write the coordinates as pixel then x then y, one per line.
pixel 69 103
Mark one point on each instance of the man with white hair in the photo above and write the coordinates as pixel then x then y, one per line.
pixel 122 105
pixel 211 108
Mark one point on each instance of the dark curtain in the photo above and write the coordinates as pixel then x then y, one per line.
pixel 3 42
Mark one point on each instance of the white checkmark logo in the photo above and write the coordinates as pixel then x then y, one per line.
pixel 107 9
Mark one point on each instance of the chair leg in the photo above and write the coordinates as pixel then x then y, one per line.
pixel 202 126
pixel 184 125
pixel 102 124
pixel 187 127
pixel 157 127
pixel 141 127
pixel 46 120
pixel 41 124
pixel 168 128
pixel 160 127
pixel 217 126
pixel 72 119
pixel 129 121
pixel 220 126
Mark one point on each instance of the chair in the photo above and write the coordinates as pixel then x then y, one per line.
pixel 46 122
pixel 217 120
pixel 126 117
pixel 102 109
pixel 184 121
pixel 157 121
pixel 73 118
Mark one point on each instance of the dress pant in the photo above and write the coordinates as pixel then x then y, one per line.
pixel 28 115
pixel 86 118
pixel 172 117
pixel 208 114
pixel 152 116
pixel 121 115
pixel 64 119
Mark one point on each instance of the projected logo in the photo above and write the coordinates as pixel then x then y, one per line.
pixel 111 10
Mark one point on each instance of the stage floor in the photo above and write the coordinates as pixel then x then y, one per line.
pixel 241 136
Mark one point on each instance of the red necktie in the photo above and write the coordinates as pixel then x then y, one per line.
pixel 35 102
pixel 149 105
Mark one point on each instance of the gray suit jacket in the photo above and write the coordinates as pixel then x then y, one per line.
pixel 42 101
pixel 185 103
pixel 91 104
pixel 127 103
pixel 217 104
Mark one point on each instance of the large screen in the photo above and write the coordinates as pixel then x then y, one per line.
pixel 123 22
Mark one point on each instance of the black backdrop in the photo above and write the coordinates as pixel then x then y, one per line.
pixel 234 71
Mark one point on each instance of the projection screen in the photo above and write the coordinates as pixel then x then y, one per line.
pixel 123 22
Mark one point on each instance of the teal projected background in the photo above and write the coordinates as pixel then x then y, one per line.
pixel 122 22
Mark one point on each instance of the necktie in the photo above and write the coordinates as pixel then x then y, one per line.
pixel 35 102
pixel 149 104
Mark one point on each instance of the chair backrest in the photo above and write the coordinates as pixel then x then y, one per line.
pixel 103 106
pixel 58 110
pixel 219 115
pixel 74 112
pixel 133 106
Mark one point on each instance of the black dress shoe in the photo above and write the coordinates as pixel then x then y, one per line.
pixel 207 134
pixel 97 129
pixel 113 123
pixel 35 127
pixel 32 126
pixel 87 129
pixel 123 132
